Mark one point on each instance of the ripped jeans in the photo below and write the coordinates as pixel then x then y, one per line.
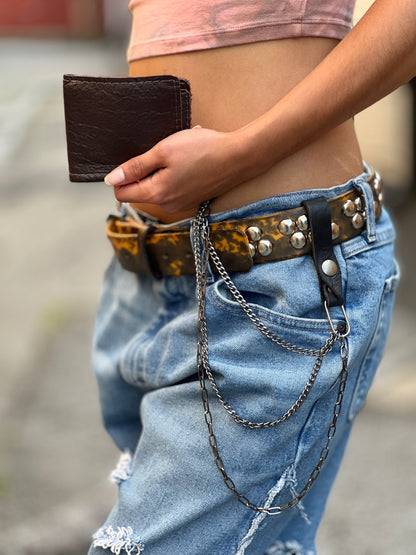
pixel 172 498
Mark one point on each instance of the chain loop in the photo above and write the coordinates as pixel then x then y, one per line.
pixel 203 248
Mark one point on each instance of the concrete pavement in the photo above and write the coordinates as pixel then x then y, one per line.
pixel 54 455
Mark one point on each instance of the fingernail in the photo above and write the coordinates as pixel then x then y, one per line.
pixel 116 177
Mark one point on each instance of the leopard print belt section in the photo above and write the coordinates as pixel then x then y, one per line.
pixel 166 250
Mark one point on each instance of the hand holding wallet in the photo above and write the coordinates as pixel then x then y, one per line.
pixel 112 119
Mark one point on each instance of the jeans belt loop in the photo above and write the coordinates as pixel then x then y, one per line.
pixel 364 188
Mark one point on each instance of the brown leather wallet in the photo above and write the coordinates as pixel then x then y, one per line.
pixel 111 119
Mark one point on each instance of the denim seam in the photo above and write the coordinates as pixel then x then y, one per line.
pixel 129 360
pixel 370 233
pixel 358 245
pixel 357 396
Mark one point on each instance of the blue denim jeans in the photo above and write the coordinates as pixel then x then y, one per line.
pixel 172 498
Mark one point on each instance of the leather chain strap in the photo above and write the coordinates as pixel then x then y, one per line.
pixel 203 249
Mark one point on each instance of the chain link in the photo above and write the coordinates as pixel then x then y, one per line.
pixel 203 248
pixel 256 320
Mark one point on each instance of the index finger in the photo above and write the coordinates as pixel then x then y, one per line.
pixel 134 169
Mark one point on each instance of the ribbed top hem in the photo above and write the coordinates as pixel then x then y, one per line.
pixel 232 36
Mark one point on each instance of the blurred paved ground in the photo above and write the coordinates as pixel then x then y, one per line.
pixel 54 455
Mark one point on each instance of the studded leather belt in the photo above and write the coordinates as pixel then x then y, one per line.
pixel 158 250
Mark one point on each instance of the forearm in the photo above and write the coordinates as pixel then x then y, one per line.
pixel 375 58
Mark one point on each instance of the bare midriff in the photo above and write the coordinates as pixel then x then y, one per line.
pixel 234 85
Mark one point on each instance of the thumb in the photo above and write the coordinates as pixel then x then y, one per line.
pixel 134 169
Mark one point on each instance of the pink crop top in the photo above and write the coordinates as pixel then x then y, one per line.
pixel 171 26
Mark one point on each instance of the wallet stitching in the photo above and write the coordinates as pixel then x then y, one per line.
pixel 118 80
pixel 176 89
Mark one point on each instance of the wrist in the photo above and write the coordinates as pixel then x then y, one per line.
pixel 252 152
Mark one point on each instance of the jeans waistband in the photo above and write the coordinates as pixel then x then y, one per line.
pixel 263 231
